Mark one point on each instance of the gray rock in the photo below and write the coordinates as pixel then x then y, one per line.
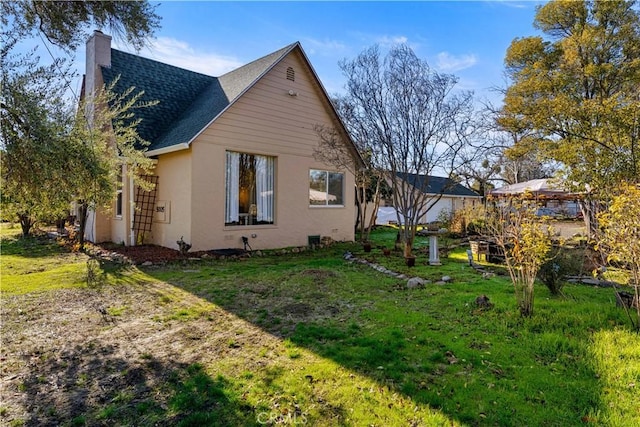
pixel 446 279
pixel 416 282
pixel 146 263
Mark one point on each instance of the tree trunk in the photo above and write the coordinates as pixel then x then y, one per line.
pixel 590 216
pixel 364 236
pixel 25 223
pixel 374 213
pixel 359 212
pixel 408 246
pixel 83 212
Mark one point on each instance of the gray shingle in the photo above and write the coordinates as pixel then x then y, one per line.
pixel 437 185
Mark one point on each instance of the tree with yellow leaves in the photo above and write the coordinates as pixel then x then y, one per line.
pixel 526 241
pixel 621 237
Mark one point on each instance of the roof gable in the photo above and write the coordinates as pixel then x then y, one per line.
pixel 187 101
pixel 437 185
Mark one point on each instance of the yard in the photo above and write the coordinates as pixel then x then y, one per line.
pixel 302 339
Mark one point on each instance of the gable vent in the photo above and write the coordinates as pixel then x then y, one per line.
pixel 291 74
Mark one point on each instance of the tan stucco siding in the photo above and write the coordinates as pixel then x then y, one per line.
pixel 268 121
pixel 174 187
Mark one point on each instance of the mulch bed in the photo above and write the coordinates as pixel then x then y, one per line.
pixel 158 254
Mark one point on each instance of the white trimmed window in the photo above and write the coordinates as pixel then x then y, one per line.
pixel 326 188
pixel 249 187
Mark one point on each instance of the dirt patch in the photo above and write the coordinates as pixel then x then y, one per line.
pixel 68 353
pixel 299 309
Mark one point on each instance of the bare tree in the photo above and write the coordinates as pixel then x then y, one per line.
pixel 369 179
pixel 414 122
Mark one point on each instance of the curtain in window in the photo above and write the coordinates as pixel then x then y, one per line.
pixel 264 188
pixel 232 188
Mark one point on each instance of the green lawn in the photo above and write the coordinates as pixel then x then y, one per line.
pixel 312 339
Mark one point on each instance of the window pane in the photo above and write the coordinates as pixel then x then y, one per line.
pixel 250 191
pixel 119 203
pixel 317 187
pixel 119 185
pixel 334 196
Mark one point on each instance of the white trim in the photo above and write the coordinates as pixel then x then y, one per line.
pixel 170 149
pixel 132 235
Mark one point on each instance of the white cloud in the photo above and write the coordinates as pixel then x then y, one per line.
pixel 180 54
pixel 512 4
pixel 388 41
pixel 450 63
pixel 324 47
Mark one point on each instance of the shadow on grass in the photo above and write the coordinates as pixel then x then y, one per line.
pixel 478 367
pixel 38 246
pixel 140 391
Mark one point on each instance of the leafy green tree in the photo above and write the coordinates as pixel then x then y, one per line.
pixel 414 122
pixel 65 23
pixel 104 138
pixel 35 120
pixel 53 154
pixel 50 154
pixel 578 89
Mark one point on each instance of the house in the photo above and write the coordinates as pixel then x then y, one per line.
pixel 233 155
pixel 446 195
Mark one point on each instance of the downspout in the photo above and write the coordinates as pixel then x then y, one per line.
pixel 132 209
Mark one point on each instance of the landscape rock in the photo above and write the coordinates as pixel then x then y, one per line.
pixel 416 282
pixel 446 279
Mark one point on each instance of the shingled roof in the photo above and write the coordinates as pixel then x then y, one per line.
pixel 187 101
pixel 437 185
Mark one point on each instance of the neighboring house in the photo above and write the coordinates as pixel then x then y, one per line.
pixel 450 197
pixel 234 155
pixel 551 196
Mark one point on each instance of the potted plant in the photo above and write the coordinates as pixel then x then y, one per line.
pixel 366 246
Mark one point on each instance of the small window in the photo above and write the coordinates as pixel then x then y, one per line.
pixel 119 185
pixel 326 188
pixel 291 74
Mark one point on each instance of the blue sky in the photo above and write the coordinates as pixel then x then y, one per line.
pixel 465 38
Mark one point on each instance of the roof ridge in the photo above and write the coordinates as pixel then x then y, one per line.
pixel 279 53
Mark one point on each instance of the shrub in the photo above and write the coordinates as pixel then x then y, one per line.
pixel 563 262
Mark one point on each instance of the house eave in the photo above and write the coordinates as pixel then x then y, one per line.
pixel 166 150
